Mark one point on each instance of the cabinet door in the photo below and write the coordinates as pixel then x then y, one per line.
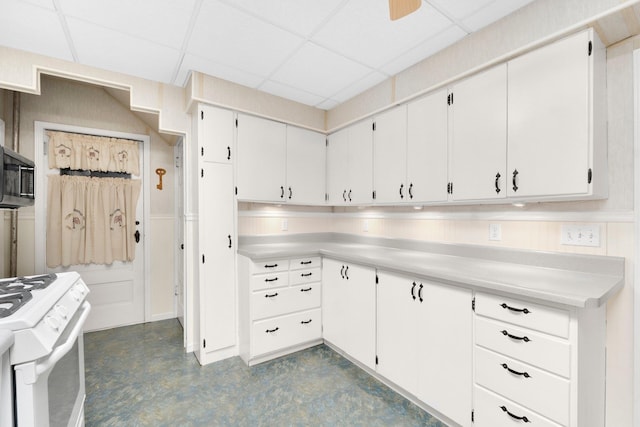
pixel 306 166
pixel 216 128
pixel 397 346
pixel 349 309
pixel 479 136
pixel 549 140
pixel 261 164
pixel 360 163
pixel 445 347
pixel 217 246
pixel 390 156
pixel 427 133
pixel 337 167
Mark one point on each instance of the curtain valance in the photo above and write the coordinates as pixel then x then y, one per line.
pixel 95 153
pixel 90 220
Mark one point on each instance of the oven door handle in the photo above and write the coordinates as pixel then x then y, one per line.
pixel 63 349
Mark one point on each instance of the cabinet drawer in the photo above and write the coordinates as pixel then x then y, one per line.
pixel 543 351
pixel 305 276
pixel 533 388
pixel 304 263
pixel 269 266
pixel 275 302
pixel 285 331
pixel 533 316
pixel 491 410
pixel 271 280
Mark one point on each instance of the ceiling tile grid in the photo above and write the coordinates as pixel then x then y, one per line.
pixel 319 53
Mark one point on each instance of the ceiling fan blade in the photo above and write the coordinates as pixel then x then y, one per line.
pixel 401 8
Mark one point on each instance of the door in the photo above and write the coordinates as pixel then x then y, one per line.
pixel 427 133
pixel 217 246
pixel 360 163
pixel 549 138
pixel 261 162
pixel 479 136
pixel 179 233
pixel 216 131
pixel 306 166
pixel 397 346
pixel 117 290
pixel 337 167
pixel 390 156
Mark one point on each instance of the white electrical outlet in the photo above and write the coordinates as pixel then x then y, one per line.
pixel 365 225
pixel 285 225
pixel 580 235
pixel 495 232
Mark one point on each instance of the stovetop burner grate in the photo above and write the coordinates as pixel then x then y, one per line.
pixel 10 303
pixel 16 292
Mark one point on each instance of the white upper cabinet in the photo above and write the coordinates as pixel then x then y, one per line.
pixel 350 165
pixel 306 166
pixel 216 129
pixel 390 156
pixel 557 112
pixel 478 112
pixel 261 164
pixel 427 135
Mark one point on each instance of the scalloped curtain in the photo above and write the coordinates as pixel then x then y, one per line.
pixel 91 220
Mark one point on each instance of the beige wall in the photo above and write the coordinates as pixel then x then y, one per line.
pixel 72 103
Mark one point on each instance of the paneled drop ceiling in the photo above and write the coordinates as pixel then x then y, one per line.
pixel 317 52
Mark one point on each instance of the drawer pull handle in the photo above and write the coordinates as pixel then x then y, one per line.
pixel 346 273
pixel 515 417
pixel 270 331
pixel 270 265
pixel 271 280
pixel 306 274
pixel 420 293
pixel 413 295
pixel 342 272
pixel 519 310
pixel 523 374
pixel 306 322
pixel 305 290
pixel 514 337
pixel 271 296
pixel 305 262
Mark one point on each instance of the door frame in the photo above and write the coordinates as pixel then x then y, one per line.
pixel 179 233
pixel 636 223
pixel 40 207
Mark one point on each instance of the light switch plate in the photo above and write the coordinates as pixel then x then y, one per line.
pixel 580 235
pixel 365 225
pixel 285 225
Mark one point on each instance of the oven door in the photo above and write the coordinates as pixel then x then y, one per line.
pixel 50 391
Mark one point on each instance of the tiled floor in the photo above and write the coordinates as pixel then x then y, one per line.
pixel 140 376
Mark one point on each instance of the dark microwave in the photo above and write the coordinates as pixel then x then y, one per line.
pixel 17 180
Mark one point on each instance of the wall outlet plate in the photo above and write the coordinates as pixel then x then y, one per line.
pixel 285 225
pixel 365 225
pixel 580 235
pixel 495 232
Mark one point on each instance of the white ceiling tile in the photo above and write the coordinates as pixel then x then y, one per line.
pixel 291 93
pixel 299 16
pixel 492 12
pixel 355 87
pixel 363 30
pixel 328 104
pixel 319 71
pixel 110 50
pixel 34 29
pixel 47 4
pixel 231 37
pixel 195 63
pixel 459 9
pixel 424 50
pixel 160 21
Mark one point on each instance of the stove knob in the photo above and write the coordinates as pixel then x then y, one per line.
pixel 61 310
pixel 52 321
pixel 80 288
pixel 75 294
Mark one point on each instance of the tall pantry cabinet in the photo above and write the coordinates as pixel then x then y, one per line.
pixel 215 293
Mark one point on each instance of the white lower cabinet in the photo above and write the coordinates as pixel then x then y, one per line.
pixel 537 364
pixel 424 342
pixel 280 306
pixel 349 309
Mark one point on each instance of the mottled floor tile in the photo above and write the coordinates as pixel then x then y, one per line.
pixel 140 376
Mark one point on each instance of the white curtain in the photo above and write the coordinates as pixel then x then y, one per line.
pixel 91 220
pixel 95 153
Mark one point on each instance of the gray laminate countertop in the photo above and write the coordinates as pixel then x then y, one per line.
pixel 582 281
